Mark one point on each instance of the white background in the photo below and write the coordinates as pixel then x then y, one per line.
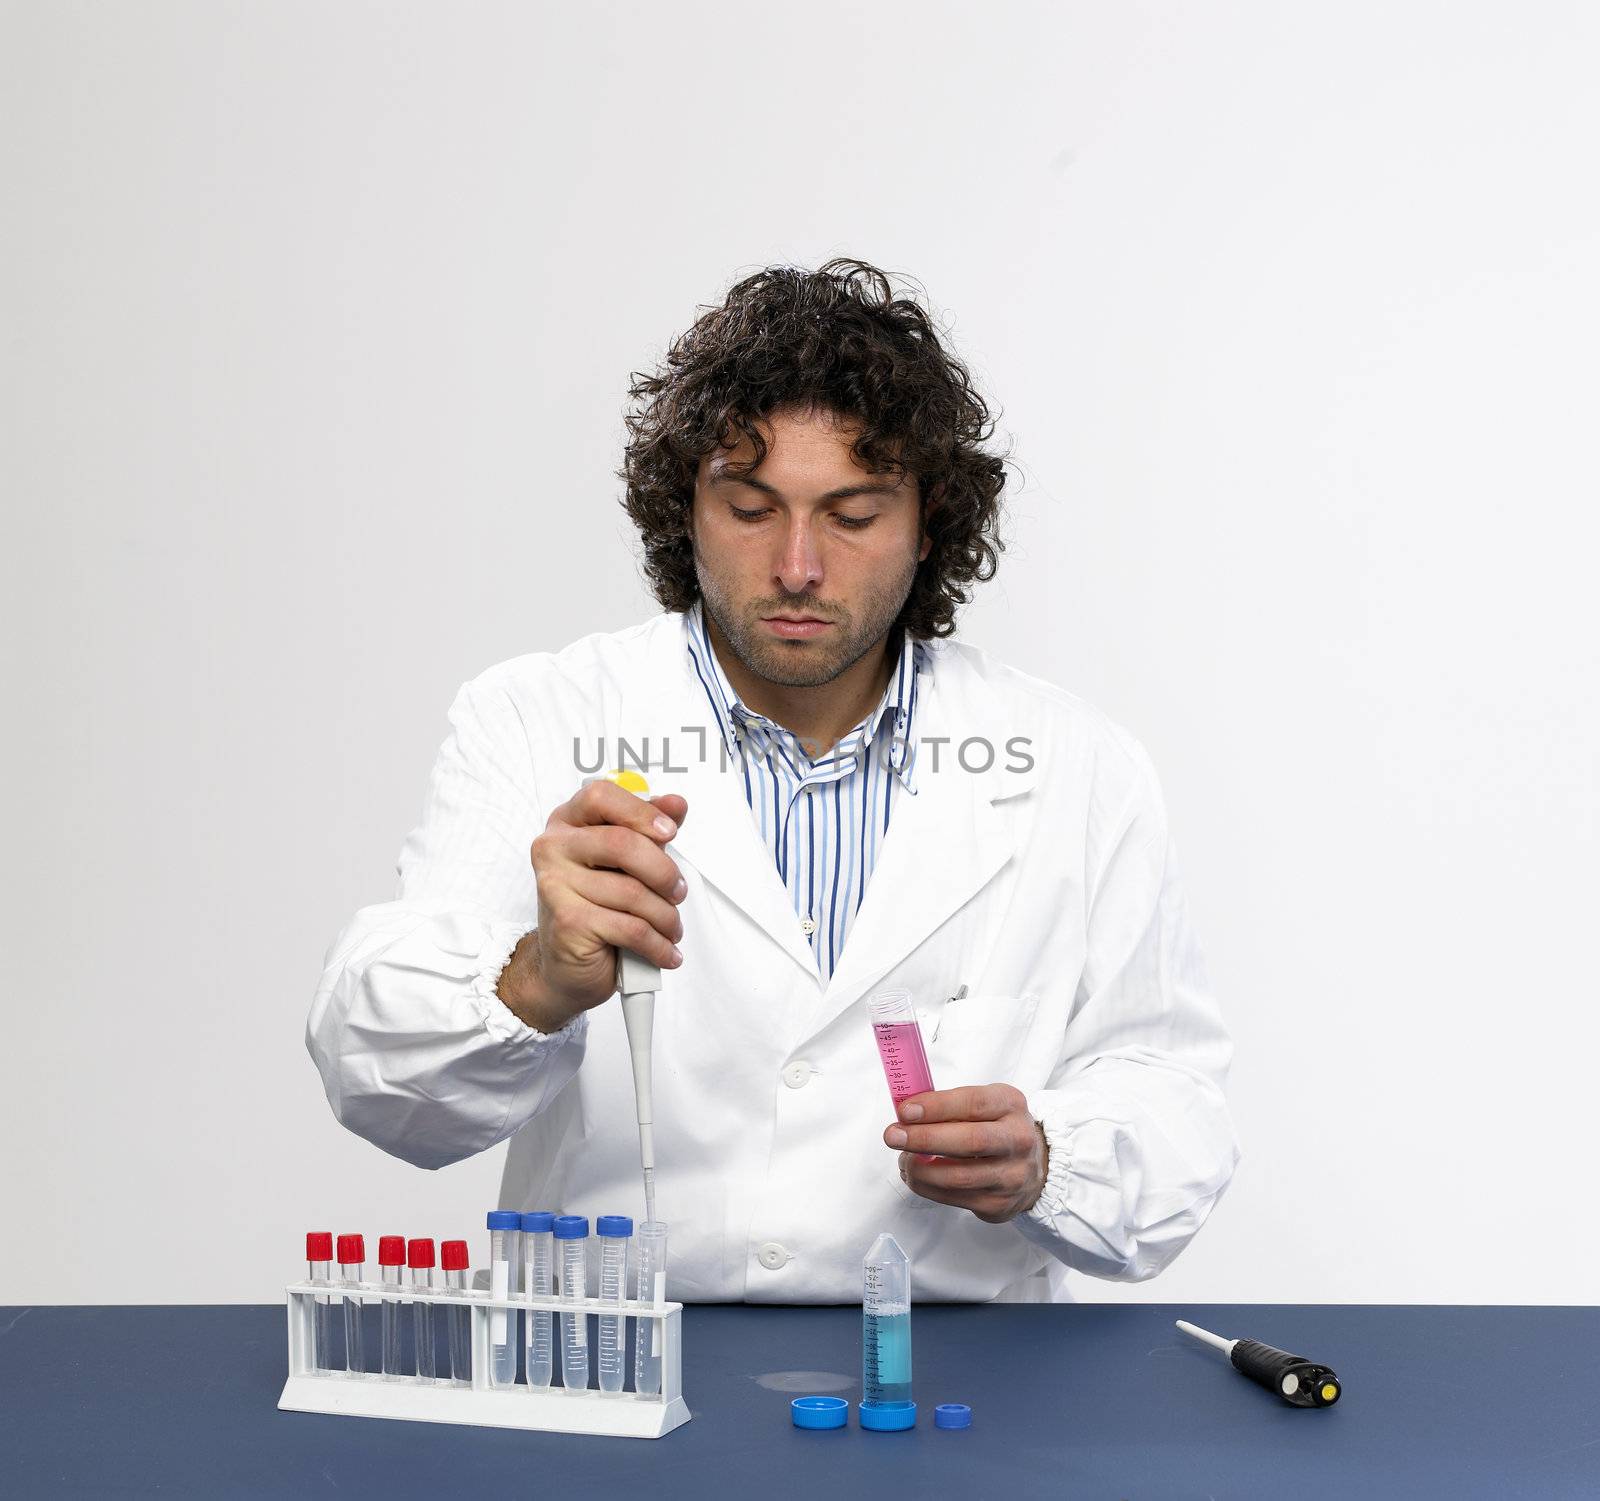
pixel 318 320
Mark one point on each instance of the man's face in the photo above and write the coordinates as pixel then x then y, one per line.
pixel 782 541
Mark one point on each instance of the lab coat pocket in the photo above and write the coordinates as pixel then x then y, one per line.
pixel 978 1039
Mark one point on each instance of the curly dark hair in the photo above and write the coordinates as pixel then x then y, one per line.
pixel 839 339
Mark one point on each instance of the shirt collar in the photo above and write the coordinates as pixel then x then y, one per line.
pixel 890 721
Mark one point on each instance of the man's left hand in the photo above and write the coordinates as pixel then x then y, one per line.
pixel 990 1155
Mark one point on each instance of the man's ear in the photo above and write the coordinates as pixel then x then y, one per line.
pixel 929 506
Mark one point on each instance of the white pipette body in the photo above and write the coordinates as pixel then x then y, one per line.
pixel 1216 1341
pixel 638 981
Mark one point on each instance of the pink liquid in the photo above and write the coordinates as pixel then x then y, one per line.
pixel 905 1063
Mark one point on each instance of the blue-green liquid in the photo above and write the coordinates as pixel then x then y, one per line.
pixel 886 1357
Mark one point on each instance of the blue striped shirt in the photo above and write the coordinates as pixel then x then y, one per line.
pixel 823 821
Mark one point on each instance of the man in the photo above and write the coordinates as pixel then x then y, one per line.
pixel 845 801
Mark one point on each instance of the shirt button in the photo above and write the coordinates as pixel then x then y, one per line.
pixel 808 925
pixel 772 1256
pixel 797 1075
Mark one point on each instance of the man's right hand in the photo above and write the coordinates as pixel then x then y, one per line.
pixel 605 881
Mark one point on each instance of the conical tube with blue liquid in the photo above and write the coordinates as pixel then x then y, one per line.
pixel 885 1324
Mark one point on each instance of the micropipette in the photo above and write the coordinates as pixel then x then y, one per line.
pixel 638 981
pixel 1294 1378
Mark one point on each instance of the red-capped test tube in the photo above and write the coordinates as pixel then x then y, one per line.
pixel 319 1268
pixel 453 1258
pixel 391 1257
pixel 352 1271
pixel 419 1257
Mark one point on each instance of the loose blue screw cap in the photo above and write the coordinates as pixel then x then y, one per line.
pixel 571 1227
pixel 819 1412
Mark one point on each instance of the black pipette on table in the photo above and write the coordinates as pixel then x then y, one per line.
pixel 1294 1378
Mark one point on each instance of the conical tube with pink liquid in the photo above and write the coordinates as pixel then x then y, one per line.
pixel 899 1039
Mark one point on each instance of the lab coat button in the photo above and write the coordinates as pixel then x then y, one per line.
pixel 808 925
pixel 797 1075
pixel 772 1256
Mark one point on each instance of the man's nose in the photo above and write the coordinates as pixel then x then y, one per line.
pixel 800 567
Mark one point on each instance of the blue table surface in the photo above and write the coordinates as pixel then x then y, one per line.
pixel 1077 1400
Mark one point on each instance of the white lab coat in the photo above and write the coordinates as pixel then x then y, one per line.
pixel 1051 892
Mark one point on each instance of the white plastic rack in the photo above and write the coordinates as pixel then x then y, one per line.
pixel 371 1394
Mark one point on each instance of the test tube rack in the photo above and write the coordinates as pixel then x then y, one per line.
pixel 371 1394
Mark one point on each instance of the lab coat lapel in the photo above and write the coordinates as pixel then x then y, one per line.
pixel 666 706
pixel 943 846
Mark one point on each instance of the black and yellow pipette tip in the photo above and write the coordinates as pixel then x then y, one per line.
pixel 1299 1381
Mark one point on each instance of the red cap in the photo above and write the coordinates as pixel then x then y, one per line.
pixel 453 1255
pixel 419 1254
pixel 391 1250
pixel 319 1245
pixel 352 1248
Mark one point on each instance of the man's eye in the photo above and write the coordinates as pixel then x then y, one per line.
pixel 856 523
pixel 747 515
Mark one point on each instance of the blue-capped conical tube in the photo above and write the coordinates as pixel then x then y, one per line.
pixel 571 1232
pixel 615 1231
pixel 885 1323
pixel 651 1288
pixel 538 1281
pixel 505 1233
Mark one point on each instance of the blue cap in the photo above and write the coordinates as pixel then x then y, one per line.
pixel 613 1224
pixel 504 1219
pixel 952 1415
pixel 819 1412
pixel 571 1227
pixel 887 1417
pixel 537 1222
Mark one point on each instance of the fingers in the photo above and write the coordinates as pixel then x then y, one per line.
pixel 994 1201
pixel 608 847
pixel 676 808
pixel 619 893
pixel 973 1102
pixel 977 1148
pixel 626 931
pixel 605 827
pixel 977 1120
pixel 604 802
pixel 965 1139
pixel 604 877
pixel 1004 1175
